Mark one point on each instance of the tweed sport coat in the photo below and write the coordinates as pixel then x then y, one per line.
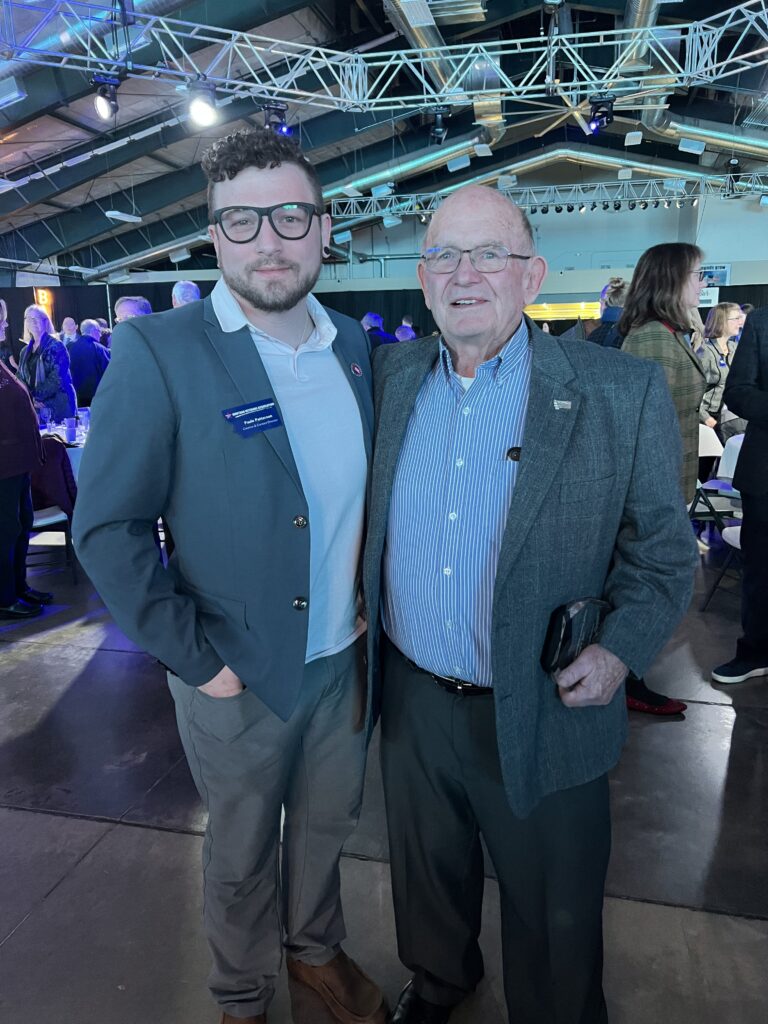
pixel 160 446
pixel 596 512
pixel 687 384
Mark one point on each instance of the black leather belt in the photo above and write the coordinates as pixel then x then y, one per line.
pixel 449 683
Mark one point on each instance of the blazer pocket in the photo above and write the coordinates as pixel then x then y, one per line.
pixel 586 492
pixel 223 607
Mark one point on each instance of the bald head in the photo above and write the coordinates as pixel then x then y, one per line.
pixel 511 219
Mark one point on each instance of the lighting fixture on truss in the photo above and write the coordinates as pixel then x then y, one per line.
pixel 439 129
pixel 105 100
pixel 601 111
pixel 274 119
pixel 202 104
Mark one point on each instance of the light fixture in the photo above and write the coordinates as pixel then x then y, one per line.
pixel 391 220
pixel 558 209
pixel 569 207
pixel 616 205
pixel 679 204
pixel 593 207
pixel 695 201
pixel 439 129
pixel 180 255
pixel 633 138
pixel 459 163
pixel 533 209
pixel 644 204
pixel 202 104
pixel 545 209
pixel 342 237
pixel 606 206
pixel 382 191
pixel 601 111
pixel 274 118
pixel 655 204
pixel 125 218
pixel 632 204
pixel 582 207
pixel 105 100
pixel 667 204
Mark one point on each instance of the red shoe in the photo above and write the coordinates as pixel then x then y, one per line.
pixel 668 707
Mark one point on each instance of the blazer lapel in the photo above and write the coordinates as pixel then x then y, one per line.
pixel 359 377
pixel 553 404
pixel 242 362
pixel 394 410
pixel 680 339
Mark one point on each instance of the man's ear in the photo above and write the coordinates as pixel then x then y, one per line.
pixel 420 272
pixel 537 271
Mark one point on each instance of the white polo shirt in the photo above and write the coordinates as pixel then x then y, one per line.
pixel 322 419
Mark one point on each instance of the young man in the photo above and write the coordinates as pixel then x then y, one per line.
pixel 253 444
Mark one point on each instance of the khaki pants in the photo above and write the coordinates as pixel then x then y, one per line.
pixel 248 765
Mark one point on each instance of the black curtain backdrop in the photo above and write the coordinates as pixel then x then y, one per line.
pixel 392 305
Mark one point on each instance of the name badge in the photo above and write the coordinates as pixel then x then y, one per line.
pixel 253 417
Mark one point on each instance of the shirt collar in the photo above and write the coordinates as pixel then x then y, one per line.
pixel 502 365
pixel 232 318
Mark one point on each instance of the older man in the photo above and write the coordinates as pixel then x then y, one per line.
pixel 128 307
pixel 513 474
pixel 252 443
pixel 183 293
pixel 88 360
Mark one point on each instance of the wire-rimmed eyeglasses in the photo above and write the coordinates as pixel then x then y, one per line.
pixel 488 259
pixel 242 224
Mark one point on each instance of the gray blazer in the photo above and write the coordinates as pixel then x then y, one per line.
pixel 160 446
pixel 597 511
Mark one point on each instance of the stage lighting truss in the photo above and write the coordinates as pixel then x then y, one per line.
pixel 582 197
pixel 591 64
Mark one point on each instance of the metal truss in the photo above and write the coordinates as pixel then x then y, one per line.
pixel 658 191
pixel 85 37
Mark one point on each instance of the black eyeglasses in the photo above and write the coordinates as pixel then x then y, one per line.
pixel 488 259
pixel 242 224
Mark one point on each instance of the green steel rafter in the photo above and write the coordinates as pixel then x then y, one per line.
pixel 714 49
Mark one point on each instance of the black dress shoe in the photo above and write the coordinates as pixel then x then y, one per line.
pixel 412 1009
pixel 20 610
pixel 32 596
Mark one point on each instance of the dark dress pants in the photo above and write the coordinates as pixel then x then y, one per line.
pixel 753 645
pixel 443 789
pixel 16 519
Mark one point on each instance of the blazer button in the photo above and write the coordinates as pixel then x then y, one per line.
pixel 300 603
pixel 300 522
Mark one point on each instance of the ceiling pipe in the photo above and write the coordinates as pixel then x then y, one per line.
pixel 714 136
pixel 640 14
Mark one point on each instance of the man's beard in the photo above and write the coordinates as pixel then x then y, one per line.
pixel 272 296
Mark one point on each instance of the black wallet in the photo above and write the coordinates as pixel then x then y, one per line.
pixel 572 627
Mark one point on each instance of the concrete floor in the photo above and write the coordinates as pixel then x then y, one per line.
pixel 100 840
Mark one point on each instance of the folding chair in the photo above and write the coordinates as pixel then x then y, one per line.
pixel 732 537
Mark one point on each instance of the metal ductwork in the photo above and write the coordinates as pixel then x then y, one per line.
pixel 640 14
pixel 414 19
pixel 715 136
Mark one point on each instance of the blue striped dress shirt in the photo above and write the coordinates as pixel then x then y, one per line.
pixel 452 488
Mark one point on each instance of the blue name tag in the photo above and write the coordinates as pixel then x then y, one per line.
pixel 253 417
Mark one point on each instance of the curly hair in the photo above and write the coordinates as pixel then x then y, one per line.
pixel 255 147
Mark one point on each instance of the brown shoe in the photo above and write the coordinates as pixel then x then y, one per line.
pixel 227 1018
pixel 345 989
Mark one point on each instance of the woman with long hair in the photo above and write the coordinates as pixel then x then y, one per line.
pixel 656 325
pixel 6 349
pixel 44 366
pixel 721 330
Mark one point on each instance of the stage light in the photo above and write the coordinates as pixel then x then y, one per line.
pixel 545 209
pixel 644 204
pixel 439 129
pixel 679 204
pixel 606 206
pixel 655 204
pixel 601 112
pixel 616 205
pixel 569 207
pixel 105 100
pixel 695 201
pixel 632 204
pixel 533 209
pixel 593 207
pixel 667 204
pixel 558 209
pixel 274 119
pixel 202 104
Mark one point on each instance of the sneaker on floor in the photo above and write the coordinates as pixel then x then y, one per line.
pixel 648 702
pixel 738 670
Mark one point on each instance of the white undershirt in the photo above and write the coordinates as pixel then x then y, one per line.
pixel 322 420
